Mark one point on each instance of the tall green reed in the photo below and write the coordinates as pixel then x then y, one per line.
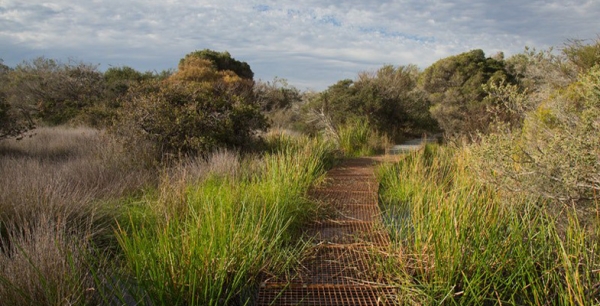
pixel 461 242
pixel 207 243
pixel 358 138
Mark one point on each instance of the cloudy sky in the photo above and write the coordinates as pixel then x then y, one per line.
pixel 312 43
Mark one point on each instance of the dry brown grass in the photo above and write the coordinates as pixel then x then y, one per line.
pixel 223 163
pixel 63 173
pixel 56 197
pixel 45 263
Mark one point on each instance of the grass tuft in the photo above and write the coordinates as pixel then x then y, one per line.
pixel 206 243
pixel 458 241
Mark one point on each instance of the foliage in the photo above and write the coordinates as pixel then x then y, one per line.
pixel 53 91
pixel 556 153
pixel 210 70
pixel 543 72
pixel 281 103
pixel 207 243
pixel 507 105
pixel 14 122
pixel 118 79
pixel 398 107
pixel 220 61
pixel 387 99
pixel 458 241
pixel 583 56
pixel 455 89
pixel 195 111
pixel 276 95
pixel 184 119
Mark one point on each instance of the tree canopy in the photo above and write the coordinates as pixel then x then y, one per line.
pixel 221 61
pixel 388 99
pixel 197 109
pixel 455 89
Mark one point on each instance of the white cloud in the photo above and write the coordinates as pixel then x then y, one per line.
pixel 312 43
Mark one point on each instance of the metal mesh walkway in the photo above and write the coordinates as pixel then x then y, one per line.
pixel 340 271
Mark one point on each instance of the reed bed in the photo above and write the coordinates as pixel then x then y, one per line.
pixel 458 241
pixel 208 243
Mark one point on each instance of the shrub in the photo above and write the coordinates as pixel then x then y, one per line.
pixel 455 89
pixel 53 91
pixel 194 111
pixel 182 119
pixel 220 61
pixel 387 99
pixel 14 121
pixel 556 154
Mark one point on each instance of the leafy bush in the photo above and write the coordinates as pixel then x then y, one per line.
pixel 183 119
pixel 556 153
pixel 220 61
pixel 388 100
pixel 196 110
pixel 14 121
pixel 455 89
pixel 53 91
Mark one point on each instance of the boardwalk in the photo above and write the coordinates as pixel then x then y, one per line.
pixel 341 270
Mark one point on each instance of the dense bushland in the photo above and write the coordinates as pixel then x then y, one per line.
pixel 201 107
pixel 454 88
pixel 388 100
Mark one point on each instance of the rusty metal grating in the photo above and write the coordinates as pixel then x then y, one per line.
pixel 342 270
pixel 350 184
pixel 342 232
pixel 335 295
pixel 341 197
pixel 357 212
pixel 346 173
pixel 333 266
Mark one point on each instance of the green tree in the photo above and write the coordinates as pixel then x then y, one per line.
pixel 393 103
pixel 13 120
pixel 583 56
pixel 455 89
pixel 52 91
pixel 221 61
pixel 387 99
pixel 196 110
pixel 118 79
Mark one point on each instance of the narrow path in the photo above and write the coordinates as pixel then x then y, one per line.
pixel 341 270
